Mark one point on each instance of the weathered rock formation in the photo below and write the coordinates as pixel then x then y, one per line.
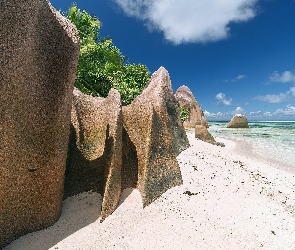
pixel 238 121
pixel 202 133
pixel 95 151
pixel 107 157
pixel 39 53
pixel 187 100
pixel 44 134
pixel 154 127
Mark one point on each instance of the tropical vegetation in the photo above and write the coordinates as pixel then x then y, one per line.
pixel 101 64
pixel 184 113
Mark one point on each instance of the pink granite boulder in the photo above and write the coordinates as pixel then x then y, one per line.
pixel 154 127
pixel 186 100
pixel 95 151
pixel 238 121
pixel 39 54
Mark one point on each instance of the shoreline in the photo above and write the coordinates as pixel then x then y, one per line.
pixel 247 149
pixel 228 200
pixel 273 143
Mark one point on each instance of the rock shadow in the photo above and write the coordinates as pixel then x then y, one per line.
pixel 129 162
pixel 78 212
pixel 83 175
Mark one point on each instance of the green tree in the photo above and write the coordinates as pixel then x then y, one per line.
pixel 184 113
pixel 131 80
pixel 101 64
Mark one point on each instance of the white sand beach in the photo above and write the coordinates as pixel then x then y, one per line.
pixel 229 200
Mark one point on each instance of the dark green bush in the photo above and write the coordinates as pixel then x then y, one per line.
pixel 101 64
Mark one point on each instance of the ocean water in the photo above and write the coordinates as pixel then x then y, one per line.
pixel 271 139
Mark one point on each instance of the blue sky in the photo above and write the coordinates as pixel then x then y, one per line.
pixel 236 56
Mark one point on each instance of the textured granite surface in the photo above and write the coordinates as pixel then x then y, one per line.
pixel 39 52
pixel 153 124
pixel 238 121
pixel 95 151
pixel 186 99
pixel 202 133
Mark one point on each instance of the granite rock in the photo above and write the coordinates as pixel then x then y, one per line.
pixel 95 150
pixel 153 126
pixel 202 133
pixel 186 99
pixel 108 156
pixel 39 53
pixel 238 121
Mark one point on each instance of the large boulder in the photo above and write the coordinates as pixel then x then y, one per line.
pixel 153 126
pixel 95 150
pixel 202 133
pixel 238 121
pixel 107 157
pixel 39 53
pixel 186 99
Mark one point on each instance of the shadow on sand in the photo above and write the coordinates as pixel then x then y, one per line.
pixel 78 212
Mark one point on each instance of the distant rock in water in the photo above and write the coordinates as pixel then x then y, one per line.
pixel 186 100
pixel 202 133
pixel 238 121
pixel 39 55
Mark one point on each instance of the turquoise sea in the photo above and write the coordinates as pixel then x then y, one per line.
pixel 271 139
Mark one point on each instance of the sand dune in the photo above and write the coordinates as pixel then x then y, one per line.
pixel 229 200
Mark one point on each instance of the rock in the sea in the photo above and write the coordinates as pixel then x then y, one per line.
pixel 202 133
pixel 39 53
pixel 95 151
pixel 238 121
pixel 186 99
pixel 154 127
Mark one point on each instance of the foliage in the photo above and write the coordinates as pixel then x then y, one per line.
pixel 88 26
pixel 131 80
pixel 101 64
pixel 183 113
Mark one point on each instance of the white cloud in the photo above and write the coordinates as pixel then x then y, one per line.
pixel 282 113
pixel 273 98
pixel 239 110
pixel 285 77
pixel 267 114
pixel 213 115
pixel 239 77
pixel 282 97
pixel 222 99
pixel 190 20
pixel 208 114
pixel 223 116
pixel 288 111
pixel 255 113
